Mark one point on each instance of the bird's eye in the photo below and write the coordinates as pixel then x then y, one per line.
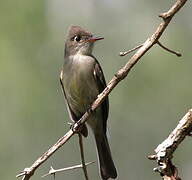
pixel 77 38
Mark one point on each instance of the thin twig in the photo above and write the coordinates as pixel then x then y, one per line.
pixel 164 151
pixel 120 75
pixel 54 171
pixel 82 156
pixel 169 50
pixel 131 50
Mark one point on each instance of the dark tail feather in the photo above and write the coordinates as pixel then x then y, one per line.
pixel 107 167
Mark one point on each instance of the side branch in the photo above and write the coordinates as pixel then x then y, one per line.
pixel 54 171
pixel 131 50
pixel 120 75
pixel 169 50
pixel 164 151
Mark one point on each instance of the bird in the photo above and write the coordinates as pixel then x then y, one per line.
pixel 82 81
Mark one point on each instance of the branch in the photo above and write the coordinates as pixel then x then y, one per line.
pixel 119 76
pixel 123 72
pixel 164 151
pixel 83 157
pixel 139 46
pixel 54 171
pixel 131 50
pixel 169 50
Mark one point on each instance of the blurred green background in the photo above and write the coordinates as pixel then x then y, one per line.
pixel 144 108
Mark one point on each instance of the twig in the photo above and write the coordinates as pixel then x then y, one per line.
pixel 169 50
pixel 54 171
pixel 120 75
pixel 82 156
pixel 131 50
pixel 164 151
pixel 160 44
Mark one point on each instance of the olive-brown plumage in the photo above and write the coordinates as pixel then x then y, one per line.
pixel 82 81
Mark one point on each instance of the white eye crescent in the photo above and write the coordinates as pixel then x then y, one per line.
pixel 77 38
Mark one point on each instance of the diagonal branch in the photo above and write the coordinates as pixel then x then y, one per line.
pixel 164 151
pixel 123 72
pixel 120 75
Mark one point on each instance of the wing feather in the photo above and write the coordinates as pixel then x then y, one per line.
pixel 100 80
pixel 72 115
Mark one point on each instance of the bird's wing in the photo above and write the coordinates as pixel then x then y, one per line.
pixel 100 80
pixel 72 115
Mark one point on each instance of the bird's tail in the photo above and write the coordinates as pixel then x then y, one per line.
pixel 107 167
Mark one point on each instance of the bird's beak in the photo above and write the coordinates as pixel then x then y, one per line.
pixel 94 38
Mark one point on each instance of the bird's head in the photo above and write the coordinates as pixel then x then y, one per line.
pixel 79 41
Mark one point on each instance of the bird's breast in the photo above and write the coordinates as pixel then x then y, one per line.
pixel 80 85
